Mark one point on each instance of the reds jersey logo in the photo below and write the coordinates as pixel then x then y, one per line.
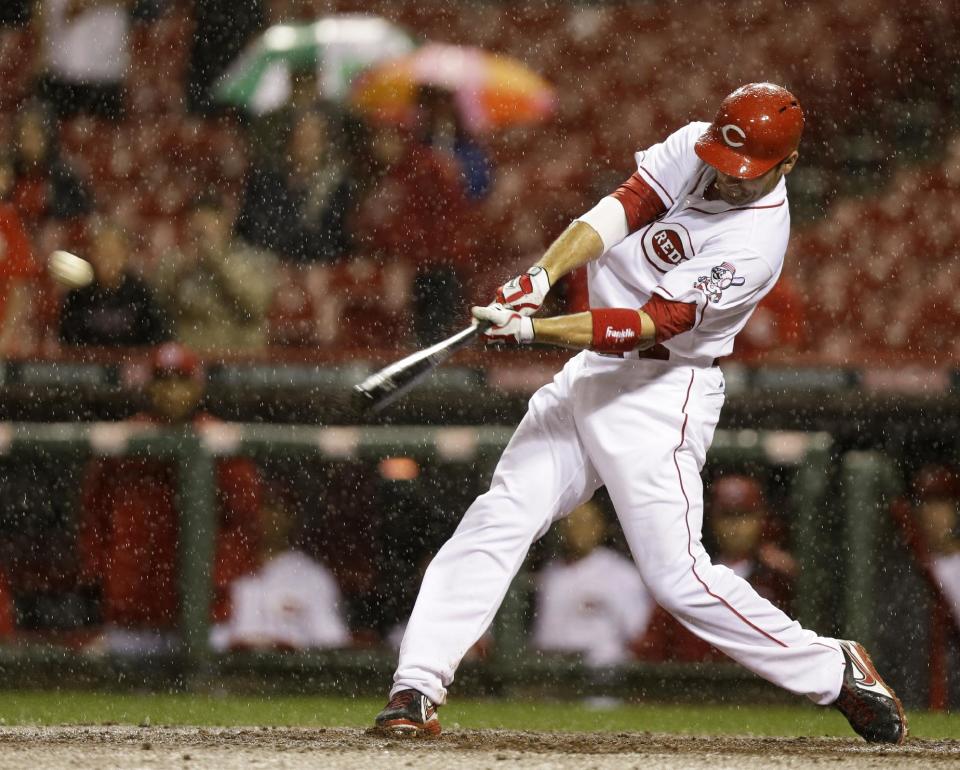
pixel 666 245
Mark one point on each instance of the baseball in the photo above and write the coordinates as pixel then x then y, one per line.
pixel 69 269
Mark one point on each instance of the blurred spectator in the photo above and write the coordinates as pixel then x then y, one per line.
pixel 117 309
pixel 45 187
pixel 221 28
pixel 217 289
pixel 441 127
pixel 299 209
pixel 937 493
pixel 291 602
pixel 85 49
pixel 592 601
pixel 741 529
pixel 416 216
pixel 18 271
pixel 15 13
pixel 777 325
pixel 293 314
pixel 128 535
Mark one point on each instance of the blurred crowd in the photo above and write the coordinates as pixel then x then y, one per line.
pixel 368 234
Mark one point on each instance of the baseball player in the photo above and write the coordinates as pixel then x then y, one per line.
pixel 677 259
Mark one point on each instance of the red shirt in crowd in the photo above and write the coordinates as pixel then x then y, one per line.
pixel 418 212
pixel 6 609
pixel 129 536
pixel 16 257
pixel 778 323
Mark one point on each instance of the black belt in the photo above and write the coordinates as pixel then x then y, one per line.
pixel 656 353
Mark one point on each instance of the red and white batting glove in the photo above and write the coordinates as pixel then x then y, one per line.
pixel 526 292
pixel 508 326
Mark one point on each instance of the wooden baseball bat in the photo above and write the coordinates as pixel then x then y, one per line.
pixel 387 385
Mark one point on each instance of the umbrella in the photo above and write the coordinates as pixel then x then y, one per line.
pixel 491 90
pixel 336 47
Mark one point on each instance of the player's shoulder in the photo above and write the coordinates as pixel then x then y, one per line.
pixel 679 142
pixel 762 261
pixel 691 132
pixel 670 165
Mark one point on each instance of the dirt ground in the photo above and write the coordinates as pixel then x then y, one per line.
pixel 108 747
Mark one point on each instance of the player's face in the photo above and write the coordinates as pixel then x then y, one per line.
pixel 737 534
pixel 174 399
pixel 741 192
pixel 938 519
pixel 583 530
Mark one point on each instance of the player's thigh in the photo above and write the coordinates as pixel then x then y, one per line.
pixel 544 471
pixel 649 454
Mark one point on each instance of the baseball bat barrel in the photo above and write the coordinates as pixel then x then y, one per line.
pixel 384 387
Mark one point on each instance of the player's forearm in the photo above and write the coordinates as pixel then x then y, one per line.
pixel 575 247
pixel 577 331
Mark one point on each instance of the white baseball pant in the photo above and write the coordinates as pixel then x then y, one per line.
pixel 641 427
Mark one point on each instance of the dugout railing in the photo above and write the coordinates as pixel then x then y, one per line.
pixel 803 464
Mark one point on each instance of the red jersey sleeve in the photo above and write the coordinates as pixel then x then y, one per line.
pixel 671 318
pixel 641 204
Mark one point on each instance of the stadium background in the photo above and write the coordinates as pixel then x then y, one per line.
pixel 834 403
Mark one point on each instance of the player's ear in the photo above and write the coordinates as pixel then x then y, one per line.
pixel 787 164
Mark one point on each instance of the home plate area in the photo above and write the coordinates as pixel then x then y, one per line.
pixel 110 746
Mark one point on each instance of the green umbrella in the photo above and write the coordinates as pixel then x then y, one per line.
pixel 336 47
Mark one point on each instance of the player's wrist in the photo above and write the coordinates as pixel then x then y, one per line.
pixel 541 277
pixel 528 332
pixel 615 330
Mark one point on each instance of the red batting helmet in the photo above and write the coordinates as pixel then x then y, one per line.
pixel 756 127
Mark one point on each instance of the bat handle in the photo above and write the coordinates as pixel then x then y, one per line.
pixel 481 328
pixel 462 339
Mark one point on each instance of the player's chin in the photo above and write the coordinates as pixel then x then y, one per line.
pixel 736 197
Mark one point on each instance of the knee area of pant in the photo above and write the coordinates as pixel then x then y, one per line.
pixel 500 528
pixel 671 590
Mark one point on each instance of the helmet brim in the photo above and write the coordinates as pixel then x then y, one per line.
pixel 712 150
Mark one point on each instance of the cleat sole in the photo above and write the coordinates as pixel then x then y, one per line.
pixel 403 728
pixel 861 651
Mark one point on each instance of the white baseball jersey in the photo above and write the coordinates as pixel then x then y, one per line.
pixel 725 264
pixel 595 606
pixel 292 601
pixel 946 569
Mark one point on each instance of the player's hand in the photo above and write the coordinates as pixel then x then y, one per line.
pixel 525 293
pixel 508 326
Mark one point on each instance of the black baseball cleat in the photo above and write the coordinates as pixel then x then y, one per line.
pixel 870 705
pixel 409 714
